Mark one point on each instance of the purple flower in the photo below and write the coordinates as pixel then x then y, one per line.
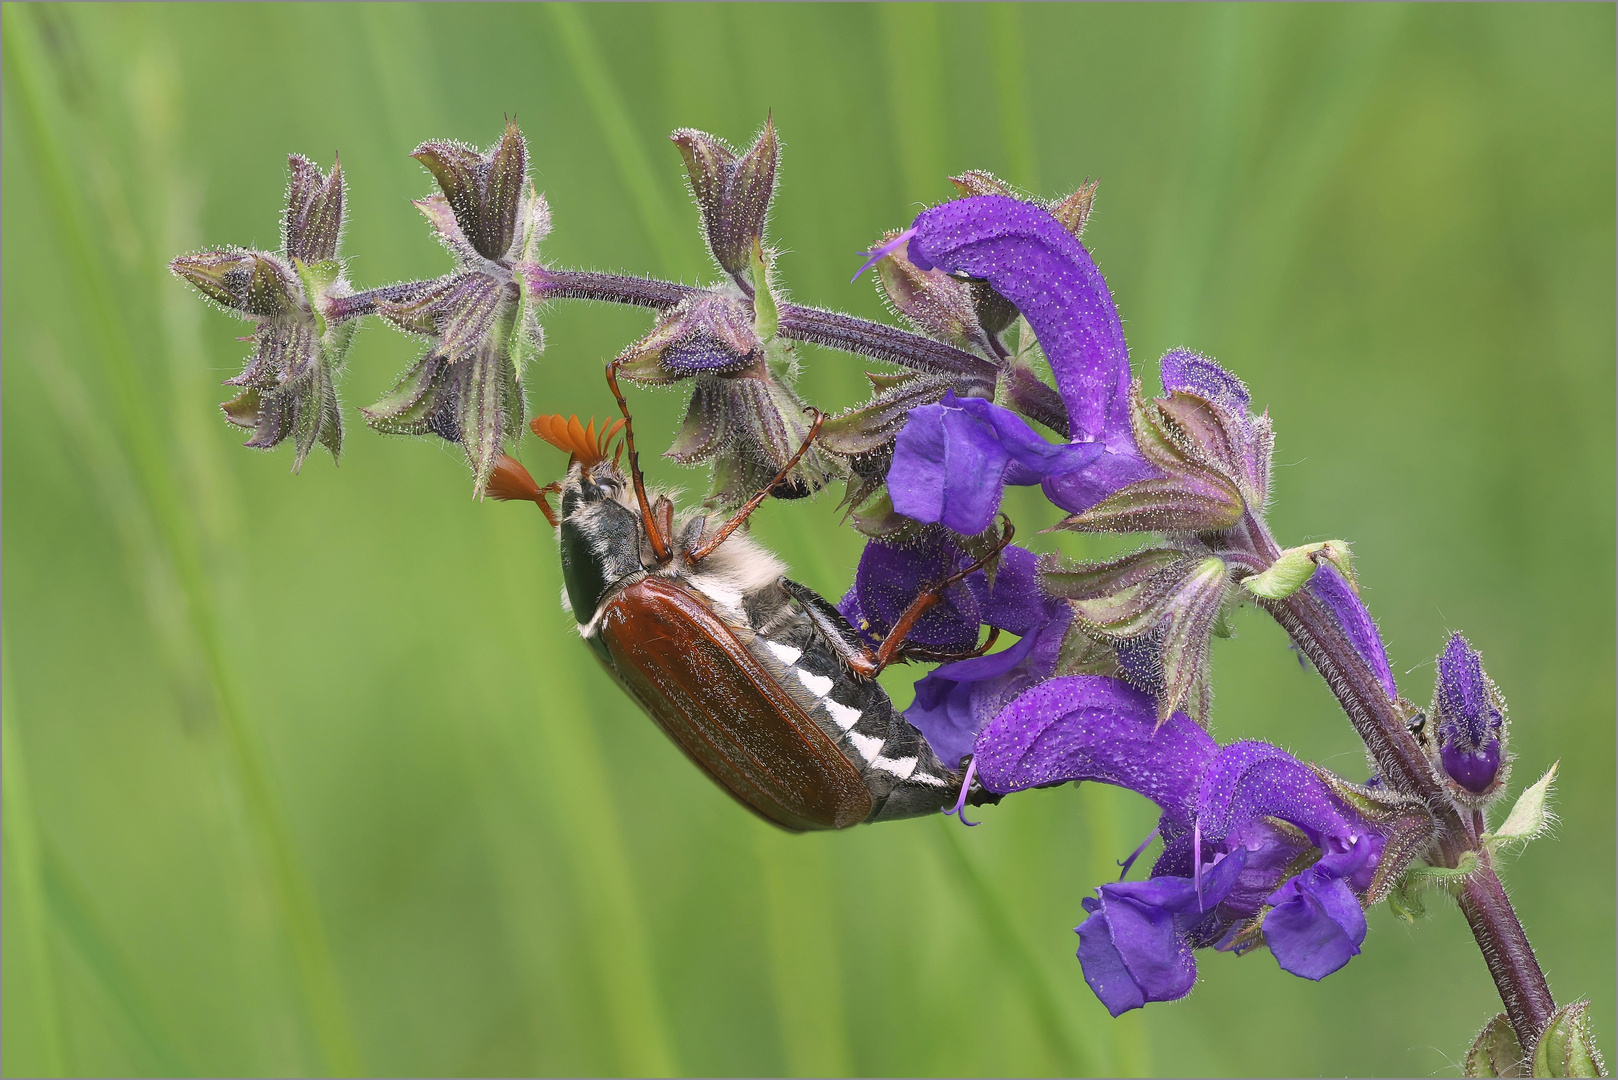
pixel 891 576
pixel 954 702
pixel 1032 260
pixel 1135 946
pixel 953 460
pixel 1193 461
pixel 1340 598
pixel 1469 717
pixel 289 384
pixel 1234 821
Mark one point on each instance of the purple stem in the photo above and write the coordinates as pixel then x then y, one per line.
pixel 877 340
pixel 344 308
pixel 1036 400
pixel 1378 720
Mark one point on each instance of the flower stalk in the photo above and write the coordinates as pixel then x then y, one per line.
pixel 1381 724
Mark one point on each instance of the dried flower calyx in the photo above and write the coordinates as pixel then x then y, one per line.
pixel 288 387
pixel 480 320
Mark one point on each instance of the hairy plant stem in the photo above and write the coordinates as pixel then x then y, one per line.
pixel 832 329
pixel 1381 724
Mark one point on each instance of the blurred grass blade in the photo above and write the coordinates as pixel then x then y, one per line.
pixel 1008 60
pixel 592 836
pixel 912 41
pixel 32 1022
pixel 1069 1058
pixel 804 969
pixel 109 342
pixel 623 140
pixel 73 910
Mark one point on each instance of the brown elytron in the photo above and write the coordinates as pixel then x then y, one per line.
pixel 692 675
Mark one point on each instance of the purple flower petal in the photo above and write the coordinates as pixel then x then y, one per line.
pixel 1086 727
pixel 1252 780
pixel 1077 491
pixel 1331 589
pixel 1268 852
pixel 891 576
pixel 1316 925
pixel 1015 604
pixel 955 701
pixel 1103 964
pixel 1194 373
pixel 1032 261
pixel 1130 950
pixel 952 461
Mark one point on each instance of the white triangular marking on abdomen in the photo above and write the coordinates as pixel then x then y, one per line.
pixel 818 685
pixel 843 716
pixel 868 747
pixel 784 653
pixel 900 767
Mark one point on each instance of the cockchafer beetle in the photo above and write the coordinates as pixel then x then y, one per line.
pixel 758 679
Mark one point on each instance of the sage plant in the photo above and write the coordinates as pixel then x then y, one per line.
pixel 1012 330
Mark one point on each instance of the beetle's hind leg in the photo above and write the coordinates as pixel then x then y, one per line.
pixel 757 500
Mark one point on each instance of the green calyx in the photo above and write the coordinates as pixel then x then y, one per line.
pixel 1567 1047
pixel 1294 567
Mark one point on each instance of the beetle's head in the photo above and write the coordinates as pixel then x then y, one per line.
pixel 599 529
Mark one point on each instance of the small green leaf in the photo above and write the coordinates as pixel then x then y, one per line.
pixel 1294 567
pixel 765 318
pixel 316 279
pixel 1445 875
pixel 1404 900
pixel 1496 1051
pixel 1566 1047
pixel 1529 816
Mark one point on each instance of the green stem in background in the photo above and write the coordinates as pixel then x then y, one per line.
pixel 1379 722
pixel 622 140
pixel 804 968
pixel 36 1046
pixel 109 343
pixel 1068 1058
pixel 581 799
pixel 73 912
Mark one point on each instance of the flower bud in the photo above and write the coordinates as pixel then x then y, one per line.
pixel 1567 1046
pixel 732 193
pixel 1469 718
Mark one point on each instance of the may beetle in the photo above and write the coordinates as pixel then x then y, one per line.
pixel 760 680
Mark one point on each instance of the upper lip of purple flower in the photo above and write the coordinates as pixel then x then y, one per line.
pixel 1033 261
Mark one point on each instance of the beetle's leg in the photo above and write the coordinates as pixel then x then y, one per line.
pixel 933 656
pixel 757 500
pixel 893 646
pixel 660 546
pixel 663 514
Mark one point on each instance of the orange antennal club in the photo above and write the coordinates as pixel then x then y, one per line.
pixel 510 482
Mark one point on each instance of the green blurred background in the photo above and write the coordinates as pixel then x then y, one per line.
pixel 309 773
